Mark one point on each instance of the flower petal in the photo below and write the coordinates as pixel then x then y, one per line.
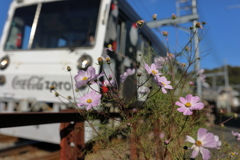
pixel 201 134
pixel 80 83
pixel 168 87
pixel 195 99
pixel 190 139
pixel 198 106
pixel 182 109
pixel 205 153
pixel 164 90
pixel 148 69
pixel 187 112
pixel 183 100
pixel 195 152
pixel 179 104
pixel 153 66
pixel 189 97
pixel 89 107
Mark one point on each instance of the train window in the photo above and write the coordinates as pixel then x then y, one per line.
pixel 69 23
pixel 21 25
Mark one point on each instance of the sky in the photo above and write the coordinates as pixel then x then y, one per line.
pixel 221 34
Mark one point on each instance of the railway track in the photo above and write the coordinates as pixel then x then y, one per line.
pixel 13 148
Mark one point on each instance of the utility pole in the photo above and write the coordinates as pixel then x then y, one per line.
pixel 189 6
pixel 196 45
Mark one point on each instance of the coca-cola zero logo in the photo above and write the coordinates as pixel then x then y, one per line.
pixel 38 83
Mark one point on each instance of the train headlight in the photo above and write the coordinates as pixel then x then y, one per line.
pixel 84 62
pixel 4 62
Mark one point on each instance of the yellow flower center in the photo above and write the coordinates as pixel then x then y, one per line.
pixel 163 84
pixel 198 143
pixel 84 78
pixel 89 101
pixel 107 59
pixel 109 46
pixel 188 104
pixel 232 154
pixel 154 72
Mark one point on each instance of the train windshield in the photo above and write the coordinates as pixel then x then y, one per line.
pixel 59 24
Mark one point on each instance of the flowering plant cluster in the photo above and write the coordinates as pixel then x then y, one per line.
pixel 144 109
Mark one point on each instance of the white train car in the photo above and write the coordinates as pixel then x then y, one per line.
pixel 42 37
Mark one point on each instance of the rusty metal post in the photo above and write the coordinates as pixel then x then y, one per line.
pixel 72 141
pixel 133 144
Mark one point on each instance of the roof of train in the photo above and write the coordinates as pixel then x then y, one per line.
pixel 126 8
pixel 134 16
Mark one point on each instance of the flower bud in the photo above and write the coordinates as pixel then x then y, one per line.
pixel 110 77
pixel 100 61
pixel 76 90
pixel 174 16
pixel 140 23
pixel 198 25
pixel 166 142
pixel 69 68
pixel 165 33
pixel 222 125
pixel 235 115
pixel 191 83
pixel 69 97
pixel 52 88
pixel 187 48
pixel 154 17
pixel 56 94
pixel 221 111
pixel 191 28
pixel 183 64
pixel 203 23
pixel 108 60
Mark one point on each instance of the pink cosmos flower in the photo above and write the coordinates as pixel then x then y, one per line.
pixel 90 100
pixel 170 56
pixel 201 75
pixel 108 83
pixel 204 140
pixel 189 104
pixel 219 143
pixel 109 48
pixel 232 154
pixel 128 72
pixel 159 62
pixel 96 77
pixel 83 77
pixel 191 83
pixel 164 83
pixel 161 135
pixel 237 135
pixel 152 70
